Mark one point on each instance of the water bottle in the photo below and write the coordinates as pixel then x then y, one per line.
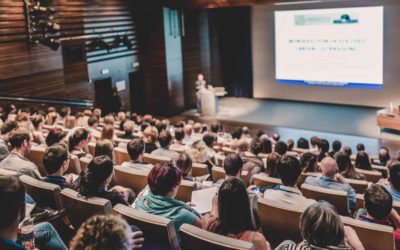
pixel 27 234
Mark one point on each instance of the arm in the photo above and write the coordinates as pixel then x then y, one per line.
pixel 351 239
pixel 395 217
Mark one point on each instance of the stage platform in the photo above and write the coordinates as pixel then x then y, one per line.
pixel 350 124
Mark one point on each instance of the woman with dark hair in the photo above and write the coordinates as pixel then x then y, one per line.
pixel 108 133
pixel 95 179
pixel 272 161
pixel 308 162
pixel 362 161
pixel 303 143
pixel 54 136
pixel 104 147
pixel 322 228
pixel 231 216
pixel 323 149
pixel 164 180
pixel 266 145
pixel 37 133
pixel 290 145
pixel 346 169
pixel 78 141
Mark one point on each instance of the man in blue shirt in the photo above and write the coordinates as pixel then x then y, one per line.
pixel 331 180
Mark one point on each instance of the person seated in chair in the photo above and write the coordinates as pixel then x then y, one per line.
pixel 331 180
pixel 16 161
pixel 135 150
pixel 128 130
pixel 78 141
pixel 165 139
pixel 394 181
pixel 5 131
pixel 56 162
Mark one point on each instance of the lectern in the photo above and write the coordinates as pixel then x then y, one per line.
pixel 209 100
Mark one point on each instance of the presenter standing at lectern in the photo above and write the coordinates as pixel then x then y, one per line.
pixel 200 86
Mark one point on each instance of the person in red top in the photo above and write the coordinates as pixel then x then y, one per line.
pixel 378 209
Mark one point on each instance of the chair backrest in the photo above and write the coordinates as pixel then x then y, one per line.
pixel 373 236
pixel 36 156
pixel 120 155
pixel 262 180
pixel 219 159
pixel 360 203
pixel 279 221
pixel 195 238
pixel 79 209
pixel 185 190
pixel 74 165
pixel 156 229
pixel 199 169
pixel 5 172
pixel 218 173
pixel 358 185
pixel 131 178
pixel 43 193
pixel 84 162
pixel 371 176
pixel 383 169
pixel 302 178
pixel 154 159
pixel 335 197
pixel 177 148
pixel 92 148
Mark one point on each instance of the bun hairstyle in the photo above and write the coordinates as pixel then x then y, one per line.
pixel 79 135
pixel 98 170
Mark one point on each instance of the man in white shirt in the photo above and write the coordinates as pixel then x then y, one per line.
pixel 135 150
pixel 165 140
pixel 289 170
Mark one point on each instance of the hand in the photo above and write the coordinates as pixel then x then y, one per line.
pixel 351 239
pixel 69 178
pixel 137 240
pixel 251 187
pixel 340 178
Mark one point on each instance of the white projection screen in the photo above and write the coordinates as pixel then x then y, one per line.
pixel 341 52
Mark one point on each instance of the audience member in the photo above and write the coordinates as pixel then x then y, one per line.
pixel 289 170
pixel 394 181
pixel 232 215
pixel 16 161
pixel 135 151
pixel 280 148
pixel 56 162
pixel 346 169
pixel 331 180
pixel 5 131
pixel 12 198
pixel 164 180
pixel 251 162
pixel 309 162
pixel 179 135
pixel 165 139
pixel 303 143
pixel 245 133
pixel 95 179
pixel 210 139
pixel 37 133
pixel 188 139
pixel 54 136
pixel 198 153
pixel 336 146
pixel 128 130
pixel 107 232
pixel 185 163
pixel 290 145
pixel 360 147
pixel 347 150
pixel 322 228
pixel 314 141
pixel 384 156
pixel 362 161
pixel 272 160
pixel 197 133
pixel 150 135
pixel 78 141
pixel 104 147
pixel 323 149
pixel 266 144
pixel 92 128
pixel 108 132
pixel 276 137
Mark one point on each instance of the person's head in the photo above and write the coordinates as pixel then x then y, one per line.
pixel 6 128
pixel 321 226
pixel 108 132
pixel 198 151
pixel 97 175
pixel 103 232
pixel 266 144
pixel 179 134
pixel 362 161
pixel 260 133
pixel 184 163
pixel 210 139
pixel 93 121
pixel 214 127
pixel 289 170
pixel 308 162
pixel 378 202
pixel 336 145
pixel 104 147
pixel 188 129
pixel 314 141
pixel 20 140
pixel 56 159
pixel 280 148
pixel 256 146
pixel 343 161
pixel 197 127
pixel 70 122
pixel 234 207
pixel 37 121
pixel 78 139
pixel 164 179
pixel 323 146
pixel 272 161
pixel 164 139
pixel 121 116
pixel 237 133
pixel 243 145
pixel 329 167
pixel 55 135
pixel 303 143
pixel 128 127
pixel 360 147
pixel 200 77
pixel 245 130
pixel 384 155
pixel 135 149
pixel 65 111
pixel 394 176
pixel 233 165
pixel 347 150
pixel 109 119
pixel 12 200
pixel 276 137
pixel 290 145
pixel 150 135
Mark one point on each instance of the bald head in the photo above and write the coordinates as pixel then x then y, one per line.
pixel 328 167
pixel 188 129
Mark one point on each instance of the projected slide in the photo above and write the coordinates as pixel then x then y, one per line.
pixel 340 47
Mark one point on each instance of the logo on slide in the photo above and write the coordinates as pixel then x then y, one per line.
pixel 345 19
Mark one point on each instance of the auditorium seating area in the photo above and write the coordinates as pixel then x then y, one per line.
pixel 278 221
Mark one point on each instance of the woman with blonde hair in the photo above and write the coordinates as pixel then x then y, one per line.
pixel 150 135
pixel 108 133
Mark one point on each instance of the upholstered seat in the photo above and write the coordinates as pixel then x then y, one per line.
pixel 131 178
